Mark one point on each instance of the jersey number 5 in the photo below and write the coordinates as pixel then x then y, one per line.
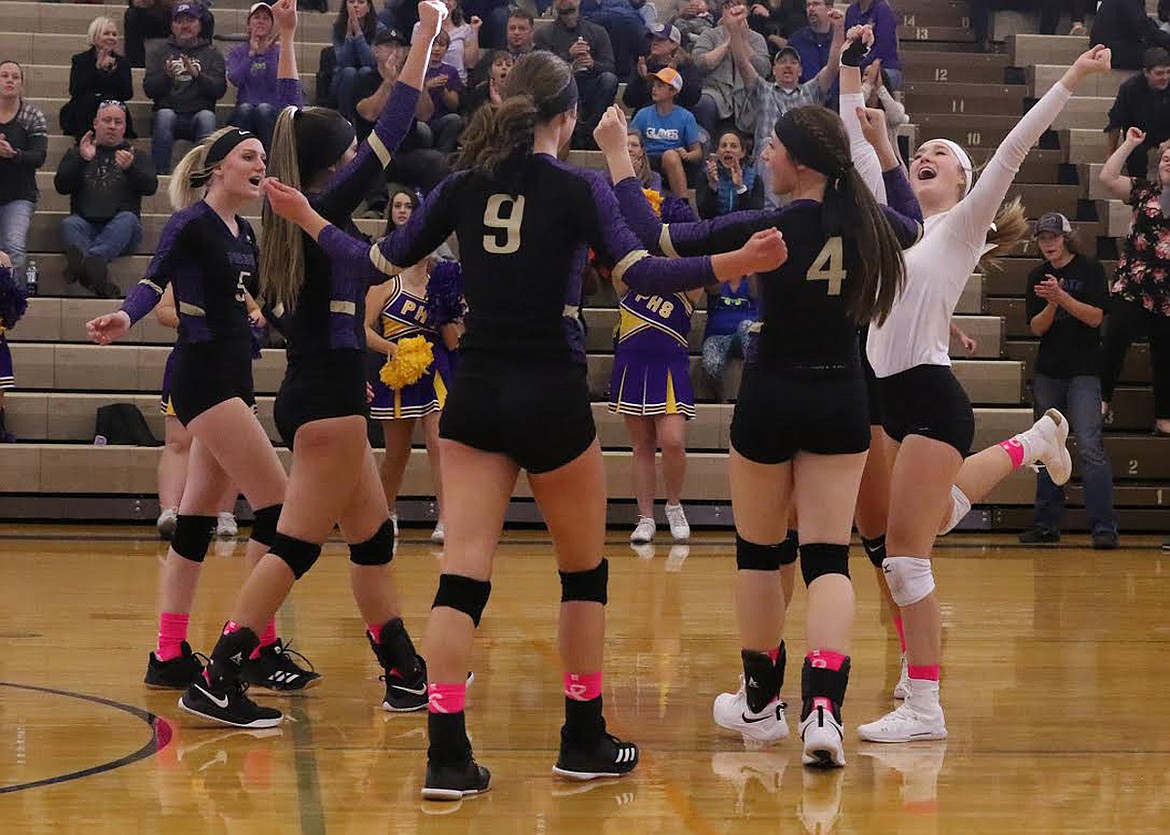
pixel 829 265
pixel 507 225
pixel 241 285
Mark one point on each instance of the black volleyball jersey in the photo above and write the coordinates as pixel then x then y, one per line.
pixel 804 321
pixel 523 239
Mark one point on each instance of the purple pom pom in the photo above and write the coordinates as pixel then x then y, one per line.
pixel 13 302
pixel 445 293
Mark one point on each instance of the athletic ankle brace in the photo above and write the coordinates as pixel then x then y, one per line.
pixel 590 586
pixel 823 683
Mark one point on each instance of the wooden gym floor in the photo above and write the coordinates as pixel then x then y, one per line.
pixel 1055 688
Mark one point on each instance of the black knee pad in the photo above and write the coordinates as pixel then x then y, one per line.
pixel 377 550
pixel 192 537
pixel 875 549
pixel 752 556
pixel 819 559
pixel 264 525
pixel 296 553
pixel 463 594
pixel 789 548
pixel 590 586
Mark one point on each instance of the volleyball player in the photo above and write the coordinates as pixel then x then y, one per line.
pixel 321 407
pixel 208 253
pixel 800 433
pixel 524 222
pixel 14 307
pixel 925 413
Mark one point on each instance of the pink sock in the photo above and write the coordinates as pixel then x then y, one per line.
pixel 230 627
pixel 446 698
pixel 925 672
pixel 583 688
pixel 1015 450
pixel 826 659
pixel 172 631
pixel 773 653
pixel 375 631
pixel 267 639
pixel 901 632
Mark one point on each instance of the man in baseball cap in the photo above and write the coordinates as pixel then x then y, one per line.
pixel 664 52
pixel 1053 222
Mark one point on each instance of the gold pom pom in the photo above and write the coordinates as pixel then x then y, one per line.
pixel 412 359
pixel 654 198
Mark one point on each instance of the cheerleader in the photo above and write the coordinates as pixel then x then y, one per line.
pixel 209 253
pixel 524 222
pixel 401 309
pixel 651 388
pixel 926 417
pixel 12 306
pixel 321 408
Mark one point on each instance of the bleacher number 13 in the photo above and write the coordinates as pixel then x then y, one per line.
pixel 504 213
pixel 829 265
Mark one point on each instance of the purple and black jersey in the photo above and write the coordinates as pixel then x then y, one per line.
pixel 523 239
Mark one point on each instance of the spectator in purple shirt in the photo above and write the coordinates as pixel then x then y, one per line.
pixel 251 67
pixel 884 52
pixel 446 91
pixel 812 42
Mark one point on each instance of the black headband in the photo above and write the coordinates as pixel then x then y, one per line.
pixel 803 148
pixel 218 152
pixel 330 140
pixel 566 99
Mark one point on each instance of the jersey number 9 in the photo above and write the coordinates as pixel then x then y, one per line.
pixel 829 265
pixel 506 225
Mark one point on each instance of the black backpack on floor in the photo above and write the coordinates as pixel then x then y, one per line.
pixel 121 424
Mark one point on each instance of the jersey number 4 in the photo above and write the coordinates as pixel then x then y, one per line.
pixel 503 214
pixel 829 265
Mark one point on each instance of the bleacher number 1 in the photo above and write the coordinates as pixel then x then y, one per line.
pixel 823 268
pixel 509 224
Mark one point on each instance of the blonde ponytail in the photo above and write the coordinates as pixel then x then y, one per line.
pixel 282 251
pixel 1010 230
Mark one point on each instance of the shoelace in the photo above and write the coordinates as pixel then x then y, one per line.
pixel 286 649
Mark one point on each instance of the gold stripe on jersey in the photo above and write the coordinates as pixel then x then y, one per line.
pixel 348 308
pixel 152 285
pixel 191 309
pixel 665 243
pixel 630 260
pixel 382 263
pixel 379 148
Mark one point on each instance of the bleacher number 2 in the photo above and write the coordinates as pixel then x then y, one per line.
pixel 829 265
pixel 504 213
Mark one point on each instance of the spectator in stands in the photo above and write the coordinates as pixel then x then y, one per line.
pixel 446 91
pixel 587 49
pixel 98 74
pixel 1141 287
pixel 731 184
pixel 648 10
pixel 521 31
pixel 1143 101
pixel 884 51
pixel 24 140
pixel 772 99
pixel 777 20
pixel 105 180
pixel 875 88
pixel 145 20
pixel 463 50
pixel 1050 14
pixel 353 46
pixel 724 99
pixel 693 18
pixel 499 62
pixel 1124 27
pixel 1066 303
pixel 625 27
pixel 494 14
pixel 732 310
pixel 670 133
pixel 813 42
pixel 185 78
pixel 649 178
pixel 251 67
pixel 665 51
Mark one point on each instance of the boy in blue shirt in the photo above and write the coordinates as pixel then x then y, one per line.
pixel 670 134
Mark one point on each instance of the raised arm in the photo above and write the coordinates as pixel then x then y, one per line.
pixel 1118 184
pixel 741 51
pixel 851 103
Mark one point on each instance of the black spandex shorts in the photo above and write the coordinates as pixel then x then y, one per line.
pixel 322 386
pixel 209 373
pixel 781 412
pixel 927 400
pixel 871 388
pixel 536 413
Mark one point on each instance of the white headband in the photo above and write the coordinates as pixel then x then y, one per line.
pixel 964 161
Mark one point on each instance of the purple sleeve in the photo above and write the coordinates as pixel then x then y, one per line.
pixel 429 226
pixel 350 186
pixel 141 300
pixel 900 196
pixel 350 256
pixel 289 93
pixel 238 62
pixel 885 38
pixel 634 265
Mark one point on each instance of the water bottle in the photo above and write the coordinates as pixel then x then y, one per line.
pixel 30 278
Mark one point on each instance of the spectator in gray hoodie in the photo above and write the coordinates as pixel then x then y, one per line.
pixel 185 78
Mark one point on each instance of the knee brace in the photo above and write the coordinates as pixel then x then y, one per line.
pixel 875 549
pixel 789 548
pixel 297 554
pixel 751 556
pixel 463 594
pixel 264 525
pixel 960 507
pixel 590 586
pixel 192 537
pixel 377 550
pixel 909 578
pixel 818 559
